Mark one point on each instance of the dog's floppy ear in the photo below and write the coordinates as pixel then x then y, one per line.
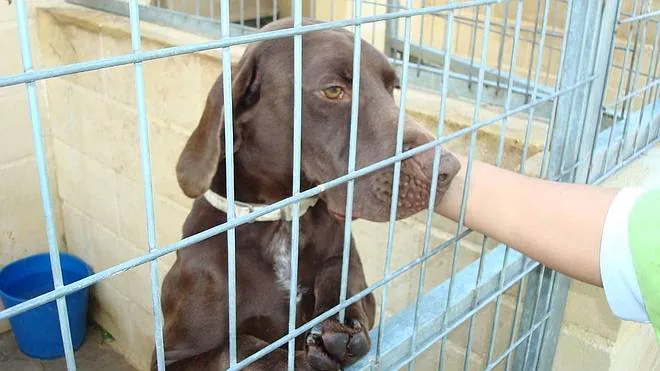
pixel 205 148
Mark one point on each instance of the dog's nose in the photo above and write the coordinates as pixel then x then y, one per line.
pixel 449 167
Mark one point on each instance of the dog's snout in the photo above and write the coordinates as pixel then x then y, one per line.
pixel 417 135
pixel 443 178
pixel 449 167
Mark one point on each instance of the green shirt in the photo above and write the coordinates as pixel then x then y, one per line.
pixel 630 256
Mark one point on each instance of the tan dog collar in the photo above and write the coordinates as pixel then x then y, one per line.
pixel 244 208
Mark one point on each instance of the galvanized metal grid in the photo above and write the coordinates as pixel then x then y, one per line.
pixel 592 132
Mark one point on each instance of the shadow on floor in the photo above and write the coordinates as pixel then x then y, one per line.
pixel 96 354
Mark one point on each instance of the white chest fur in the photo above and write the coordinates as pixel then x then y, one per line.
pixel 280 253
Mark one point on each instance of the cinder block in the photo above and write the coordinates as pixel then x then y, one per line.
pixel 87 185
pixel 174 96
pixel 482 330
pixel 8 11
pixel 512 293
pixel 91 240
pixel 63 41
pixel 16 141
pixel 105 309
pixel 169 223
pixel 167 142
pixel 124 320
pixel 169 216
pixel 121 79
pixel 211 68
pixel 453 360
pixel 424 108
pixel 374 33
pixel 439 266
pixel 22 226
pixel 237 8
pixel 428 360
pixel 11 60
pixel 587 308
pixel 134 283
pixel 442 224
pixel 63 99
pixel 113 137
pixel 76 227
pixel 164 265
pixel 636 348
pixel 4 324
pixel 172 86
pixel 371 241
pixel 98 127
pixel 142 338
pixel 402 291
pixel 578 350
pixel 103 249
pixel 132 219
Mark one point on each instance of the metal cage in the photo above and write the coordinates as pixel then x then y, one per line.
pixel 585 70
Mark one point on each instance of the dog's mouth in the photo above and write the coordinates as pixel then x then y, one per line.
pixel 341 217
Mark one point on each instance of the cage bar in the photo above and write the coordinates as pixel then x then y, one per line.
pixel 229 164
pixel 631 85
pixel 396 178
pixel 352 154
pixel 434 183
pixel 498 162
pixel 145 158
pixel 295 221
pixel 44 183
pixel 473 138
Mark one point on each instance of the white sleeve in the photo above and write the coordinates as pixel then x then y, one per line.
pixel 616 266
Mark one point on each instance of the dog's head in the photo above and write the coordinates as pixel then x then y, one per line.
pixel 262 94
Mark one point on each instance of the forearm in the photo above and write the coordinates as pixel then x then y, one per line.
pixel 558 224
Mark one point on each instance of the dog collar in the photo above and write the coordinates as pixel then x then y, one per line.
pixel 244 208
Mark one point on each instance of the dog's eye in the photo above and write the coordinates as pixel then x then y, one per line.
pixel 333 92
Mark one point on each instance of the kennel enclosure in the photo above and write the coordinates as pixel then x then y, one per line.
pixel 584 72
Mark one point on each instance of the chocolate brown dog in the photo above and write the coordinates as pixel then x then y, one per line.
pixel 194 293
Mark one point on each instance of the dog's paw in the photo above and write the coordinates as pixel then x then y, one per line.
pixel 332 345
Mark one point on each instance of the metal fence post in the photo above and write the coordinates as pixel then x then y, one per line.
pixel 391 29
pixel 572 137
pixel 594 108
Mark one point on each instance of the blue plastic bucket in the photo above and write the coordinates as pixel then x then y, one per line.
pixel 37 331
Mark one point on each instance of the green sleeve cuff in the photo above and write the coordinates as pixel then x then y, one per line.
pixel 644 240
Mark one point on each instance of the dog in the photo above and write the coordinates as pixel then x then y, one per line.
pixel 194 292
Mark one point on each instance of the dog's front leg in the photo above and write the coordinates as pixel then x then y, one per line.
pixel 332 344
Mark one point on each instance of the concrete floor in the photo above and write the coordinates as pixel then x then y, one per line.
pixel 95 354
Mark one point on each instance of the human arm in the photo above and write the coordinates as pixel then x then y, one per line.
pixel 602 236
pixel 558 224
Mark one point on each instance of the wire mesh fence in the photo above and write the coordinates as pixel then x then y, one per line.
pixel 581 77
